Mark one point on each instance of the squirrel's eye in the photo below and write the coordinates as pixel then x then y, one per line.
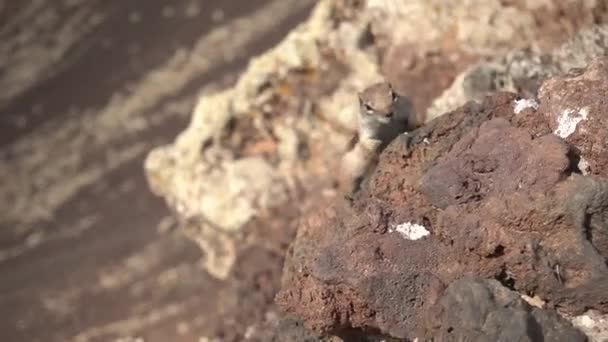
pixel 395 96
pixel 368 108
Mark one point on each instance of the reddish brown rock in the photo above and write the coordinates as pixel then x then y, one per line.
pixel 480 191
pixel 576 108
pixel 483 164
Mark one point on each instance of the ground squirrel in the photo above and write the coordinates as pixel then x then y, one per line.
pixel 383 115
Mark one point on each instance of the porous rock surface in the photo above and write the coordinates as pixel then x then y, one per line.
pixel 278 132
pixel 522 70
pixel 502 197
pixel 475 309
pixel 272 140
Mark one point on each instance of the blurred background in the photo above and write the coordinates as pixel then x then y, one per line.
pixel 88 87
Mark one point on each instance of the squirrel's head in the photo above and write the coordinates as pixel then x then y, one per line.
pixel 377 102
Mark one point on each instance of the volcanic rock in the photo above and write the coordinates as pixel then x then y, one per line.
pixel 500 196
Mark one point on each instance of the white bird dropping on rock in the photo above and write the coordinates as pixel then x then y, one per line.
pixel 411 231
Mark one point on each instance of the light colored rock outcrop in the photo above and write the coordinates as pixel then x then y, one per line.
pixel 216 189
pixel 522 70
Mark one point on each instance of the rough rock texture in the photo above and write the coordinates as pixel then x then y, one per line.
pixel 281 128
pixel 245 148
pixel 274 138
pixel 593 324
pixel 575 108
pixel 428 42
pixel 500 196
pixel 484 310
pixel 522 71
